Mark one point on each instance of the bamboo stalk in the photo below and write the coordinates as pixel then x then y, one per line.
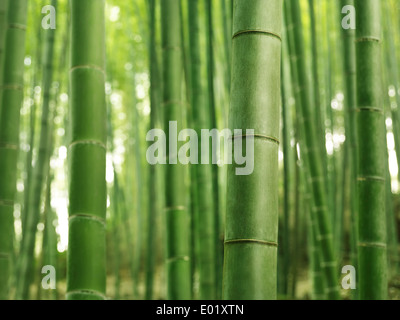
pixel 3 28
pixel 213 122
pixel 288 159
pixel 314 163
pixel 371 143
pixel 86 277
pixel 391 73
pixel 39 172
pixel 251 231
pixel 11 100
pixel 153 176
pixel 49 248
pixel 350 104
pixel 177 219
pixel 205 237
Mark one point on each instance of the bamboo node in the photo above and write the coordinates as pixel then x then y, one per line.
pixel 17 26
pixel 369 109
pixel 368 39
pixel 174 259
pixel 4 255
pixel 325 236
pixel 10 146
pixel 257 31
pixel 88 217
pixel 176 208
pixel 372 244
pixel 328 264
pixel 6 203
pixel 87 66
pixel 11 87
pixel 87 292
pixel 374 178
pixel 177 48
pixel 256 135
pixel 89 142
pixel 267 243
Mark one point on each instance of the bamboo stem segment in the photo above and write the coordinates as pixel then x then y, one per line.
pixel 205 229
pixel 177 218
pixel 11 99
pixel 252 203
pixel 39 172
pixel 86 275
pixel 371 153
pixel 313 159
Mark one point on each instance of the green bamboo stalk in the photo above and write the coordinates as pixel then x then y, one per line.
pixel 286 196
pixel 392 69
pixel 177 219
pixel 288 158
pixel 29 156
pixel 139 195
pixel 3 24
pixel 340 199
pixel 314 163
pixel 86 276
pixel 213 122
pixel 116 204
pixel 116 219
pixel 189 117
pixel 317 278
pixel 391 228
pixel 205 236
pixel 315 261
pixel 227 28
pixel 194 247
pixel 135 178
pixel 252 204
pixel 36 76
pixel 371 141
pixel 49 248
pixel 315 76
pixel 393 113
pixel 153 181
pixel 186 60
pixel 303 200
pixel 129 240
pixel 298 199
pixel 3 28
pixel 350 104
pixel 39 172
pixel 392 243
pixel 330 163
pixel 314 248
pixel 12 95
pixel 49 245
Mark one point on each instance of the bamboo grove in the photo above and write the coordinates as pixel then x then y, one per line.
pixel 199 149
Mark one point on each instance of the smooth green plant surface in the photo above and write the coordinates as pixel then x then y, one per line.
pixel 251 231
pixel 371 176
pixel 176 211
pixel 86 277
pixel 11 102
